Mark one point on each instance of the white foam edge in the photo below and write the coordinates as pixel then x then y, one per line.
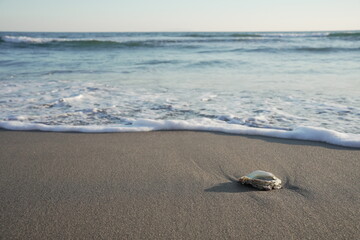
pixel 25 39
pixel 144 125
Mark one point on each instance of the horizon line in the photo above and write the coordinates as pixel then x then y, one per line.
pixel 177 31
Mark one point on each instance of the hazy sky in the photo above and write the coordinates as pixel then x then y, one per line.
pixel 179 15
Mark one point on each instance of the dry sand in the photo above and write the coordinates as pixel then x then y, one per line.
pixel 174 185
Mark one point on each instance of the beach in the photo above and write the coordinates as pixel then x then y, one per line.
pixel 174 185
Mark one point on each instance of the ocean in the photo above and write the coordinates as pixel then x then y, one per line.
pixel 296 85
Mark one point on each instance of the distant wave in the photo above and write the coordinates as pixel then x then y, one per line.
pixel 307 34
pixel 297 49
pixel 183 40
pixel 217 35
pixel 326 49
pixel 181 36
pixel 245 35
pixel 64 41
pixel 257 34
pixel 88 43
pixel 25 39
pixel 101 43
pixel 344 34
pixel 273 34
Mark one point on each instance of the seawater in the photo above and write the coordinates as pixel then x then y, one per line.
pixel 302 85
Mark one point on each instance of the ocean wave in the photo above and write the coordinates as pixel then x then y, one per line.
pixel 326 49
pixel 221 35
pixel 66 42
pixel 180 37
pixel 302 34
pixel 211 63
pixel 144 125
pixel 309 49
pixel 24 41
pixel 344 34
pixel 256 35
pixel 192 40
pixel 129 43
pixel 244 35
pixel 295 34
pixel 159 62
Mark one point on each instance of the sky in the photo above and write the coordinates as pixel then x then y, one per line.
pixel 178 15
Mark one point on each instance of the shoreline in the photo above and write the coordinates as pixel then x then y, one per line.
pixel 174 184
pixel 314 134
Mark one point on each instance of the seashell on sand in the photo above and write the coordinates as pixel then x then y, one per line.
pixel 261 180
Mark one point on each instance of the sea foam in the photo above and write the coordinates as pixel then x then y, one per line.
pixel 40 40
pixel 145 125
pixel 25 39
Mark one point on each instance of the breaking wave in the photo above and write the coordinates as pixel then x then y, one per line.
pixel 122 40
pixel 274 34
pixel 73 42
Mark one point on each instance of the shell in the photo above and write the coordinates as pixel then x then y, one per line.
pixel 261 180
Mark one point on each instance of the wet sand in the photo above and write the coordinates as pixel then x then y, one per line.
pixel 174 185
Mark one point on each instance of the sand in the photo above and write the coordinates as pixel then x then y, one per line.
pixel 174 185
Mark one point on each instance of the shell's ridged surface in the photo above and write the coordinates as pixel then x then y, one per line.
pixel 261 180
